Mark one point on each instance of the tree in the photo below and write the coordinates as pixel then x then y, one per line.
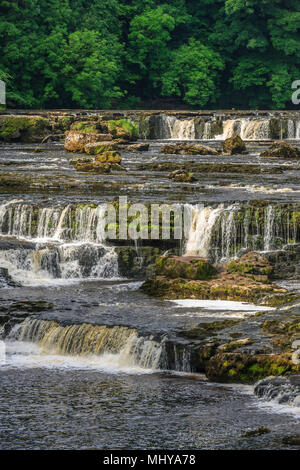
pixel 148 43
pixel 193 74
pixel 92 66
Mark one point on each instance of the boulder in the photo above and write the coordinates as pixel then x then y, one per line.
pixel 188 149
pixel 123 129
pixel 108 157
pixel 76 141
pixel 92 167
pixel 182 176
pixel 184 267
pixel 247 368
pixel 253 265
pixel 96 148
pixel 29 129
pixel 292 440
pixel 233 146
pixel 281 150
pixel 194 278
pixel 256 432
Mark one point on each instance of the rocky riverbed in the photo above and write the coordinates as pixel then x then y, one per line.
pixel 221 303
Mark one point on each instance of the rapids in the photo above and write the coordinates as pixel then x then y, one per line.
pixel 107 363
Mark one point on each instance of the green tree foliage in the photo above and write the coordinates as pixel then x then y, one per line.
pixel 112 53
pixel 193 74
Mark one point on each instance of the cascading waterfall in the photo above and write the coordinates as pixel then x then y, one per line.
pixel 221 233
pixel 170 127
pixel 255 130
pixel 203 220
pixel 116 347
pixel 69 243
pixel 178 129
pixel 247 129
pixel 281 390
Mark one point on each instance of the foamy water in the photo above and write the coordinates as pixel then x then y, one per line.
pixel 20 354
pixel 222 305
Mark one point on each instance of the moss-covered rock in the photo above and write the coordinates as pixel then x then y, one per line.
pixel 23 128
pixel 194 278
pixel 92 167
pixel 88 127
pixel 96 148
pixel 252 265
pixel 188 149
pixel 209 167
pixel 223 287
pixel 123 129
pixel 248 368
pixel 137 264
pixel 182 176
pixel 109 157
pixel 233 146
pixel 281 150
pixel 184 267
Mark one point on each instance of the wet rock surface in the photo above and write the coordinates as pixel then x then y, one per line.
pixel 282 150
pixel 182 176
pixel 233 146
pixel 189 149
pixel 69 283
pixel 283 390
pixel 246 279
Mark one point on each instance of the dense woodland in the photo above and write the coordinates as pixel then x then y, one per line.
pixel 127 53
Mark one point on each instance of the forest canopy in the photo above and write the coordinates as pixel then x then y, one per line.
pixel 125 53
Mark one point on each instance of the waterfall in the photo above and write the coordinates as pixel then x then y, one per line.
pixel 281 390
pixel 269 228
pixel 297 132
pixel 255 130
pixel 113 347
pixel 69 243
pixel 118 346
pixel 82 223
pixel 178 129
pixel 202 222
pixel 247 129
pixel 164 126
pixel 222 233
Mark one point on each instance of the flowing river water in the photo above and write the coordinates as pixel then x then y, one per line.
pixel 105 367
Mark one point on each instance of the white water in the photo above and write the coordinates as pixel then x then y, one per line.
pixel 247 129
pixel 70 244
pixel 222 233
pixel 202 223
pixel 41 343
pixel 20 354
pixel 174 128
pixel 221 305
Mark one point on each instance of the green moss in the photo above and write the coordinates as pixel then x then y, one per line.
pixel 25 129
pixel 127 126
pixel 84 127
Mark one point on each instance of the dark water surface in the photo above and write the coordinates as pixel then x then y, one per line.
pixel 86 409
